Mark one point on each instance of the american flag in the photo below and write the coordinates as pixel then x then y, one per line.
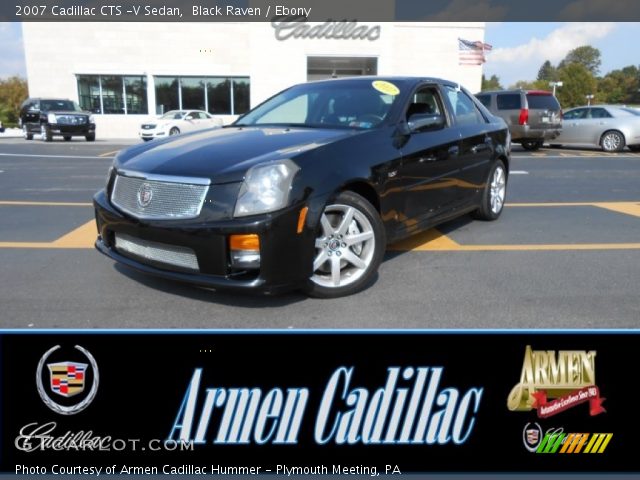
pixel 472 53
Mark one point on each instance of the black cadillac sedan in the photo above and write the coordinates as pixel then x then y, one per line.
pixel 307 189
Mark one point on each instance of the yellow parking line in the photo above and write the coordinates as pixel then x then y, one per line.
pixel 630 208
pixel 430 240
pixel 108 153
pixel 82 237
pixel 43 204
pixel 551 204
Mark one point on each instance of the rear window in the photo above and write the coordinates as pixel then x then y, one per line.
pixel 632 111
pixel 509 101
pixel 485 100
pixel 542 102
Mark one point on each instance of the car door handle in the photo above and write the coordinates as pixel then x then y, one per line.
pixel 453 151
pixel 430 158
pixel 480 148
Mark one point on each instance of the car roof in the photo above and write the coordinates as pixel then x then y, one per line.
pixel 517 90
pixel 396 78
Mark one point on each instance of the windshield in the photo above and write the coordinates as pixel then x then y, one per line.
pixel 341 104
pixel 173 115
pixel 59 105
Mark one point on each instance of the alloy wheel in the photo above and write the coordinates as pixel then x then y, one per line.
pixel 345 247
pixel 497 189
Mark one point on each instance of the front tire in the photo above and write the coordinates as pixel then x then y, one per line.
pixel 67 138
pixel 174 131
pixel 612 141
pixel 494 193
pixel 91 137
pixel 349 246
pixel 25 132
pixel 45 133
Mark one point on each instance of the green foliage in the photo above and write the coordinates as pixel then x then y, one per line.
pixel 13 91
pixel 534 85
pixel 620 86
pixel 587 56
pixel 578 82
pixel 547 72
pixel 493 83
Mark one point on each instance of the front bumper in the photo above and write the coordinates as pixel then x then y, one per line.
pixel 72 130
pixel 150 134
pixel 286 256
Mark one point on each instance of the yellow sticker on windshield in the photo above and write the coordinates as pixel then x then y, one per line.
pixel 387 88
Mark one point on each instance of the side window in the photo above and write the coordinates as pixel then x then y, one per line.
pixel 485 100
pixel 464 109
pixel 424 102
pixel 578 113
pixel 509 101
pixel 599 113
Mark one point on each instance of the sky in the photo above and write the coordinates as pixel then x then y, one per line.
pixel 519 48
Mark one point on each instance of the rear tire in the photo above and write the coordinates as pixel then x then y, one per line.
pixel 91 137
pixel 634 148
pixel 67 138
pixel 494 193
pixel 555 145
pixel 612 141
pixel 349 246
pixel 532 145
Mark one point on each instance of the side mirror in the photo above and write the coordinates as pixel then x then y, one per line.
pixel 420 122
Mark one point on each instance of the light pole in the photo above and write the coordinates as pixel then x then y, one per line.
pixel 554 85
pixel 589 98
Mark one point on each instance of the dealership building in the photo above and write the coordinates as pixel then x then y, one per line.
pixel 126 72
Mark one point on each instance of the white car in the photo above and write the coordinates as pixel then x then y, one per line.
pixel 178 121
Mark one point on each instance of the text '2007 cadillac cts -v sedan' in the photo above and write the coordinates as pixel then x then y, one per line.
pixel 305 190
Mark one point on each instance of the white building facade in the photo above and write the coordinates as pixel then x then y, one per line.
pixel 126 72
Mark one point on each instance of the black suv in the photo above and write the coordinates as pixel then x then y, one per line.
pixel 49 117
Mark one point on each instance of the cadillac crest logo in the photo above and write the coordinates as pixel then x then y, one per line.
pixel 67 380
pixel 145 194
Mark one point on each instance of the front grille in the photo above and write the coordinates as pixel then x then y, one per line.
pixel 71 119
pixel 160 253
pixel 148 126
pixel 156 197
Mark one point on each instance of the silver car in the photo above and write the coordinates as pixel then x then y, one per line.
pixel 608 126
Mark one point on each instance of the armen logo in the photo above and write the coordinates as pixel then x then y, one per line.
pixel 566 377
pixel 68 379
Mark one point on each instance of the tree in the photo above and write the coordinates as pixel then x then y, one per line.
pixel 13 91
pixel 587 56
pixel 578 82
pixel 620 86
pixel 547 72
pixel 493 83
pixel 527 85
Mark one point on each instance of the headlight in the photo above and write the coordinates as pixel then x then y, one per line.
pixel 51 118
pixel 265 188
pixel 92 119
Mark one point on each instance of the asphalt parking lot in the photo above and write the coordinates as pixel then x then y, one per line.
pixel 564 254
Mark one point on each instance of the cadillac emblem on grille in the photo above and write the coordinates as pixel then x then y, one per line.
pixel 145 194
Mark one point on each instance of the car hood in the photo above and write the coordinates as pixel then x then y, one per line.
pixel 225 154
pixel 69 112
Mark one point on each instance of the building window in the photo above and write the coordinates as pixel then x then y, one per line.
pixel 216 95
pixel 107 94
pixel 89 93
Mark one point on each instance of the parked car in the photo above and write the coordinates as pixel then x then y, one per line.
pixel 50 117
pixel 610 127
pixel 305 190
pixel 534 116
pixel 177 121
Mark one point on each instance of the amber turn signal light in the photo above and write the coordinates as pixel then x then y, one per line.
pixel 244 242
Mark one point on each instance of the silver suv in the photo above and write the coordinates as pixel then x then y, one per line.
pixel 533 116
